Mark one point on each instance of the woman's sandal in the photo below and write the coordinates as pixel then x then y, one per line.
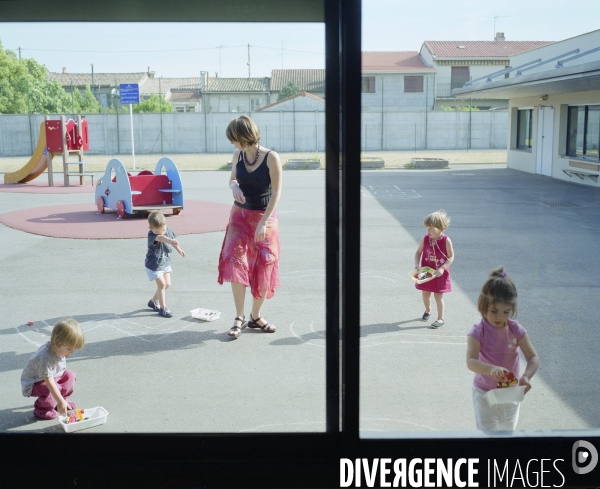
pixel 237 329
pixel 267 327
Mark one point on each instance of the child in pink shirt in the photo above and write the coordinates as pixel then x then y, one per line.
pixel 493 352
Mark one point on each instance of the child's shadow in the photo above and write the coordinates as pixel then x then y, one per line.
pixel 383 328
pixel 23 416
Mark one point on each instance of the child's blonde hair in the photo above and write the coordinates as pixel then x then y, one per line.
pixel 157 219
pixel 497 288
pixel 243 130
pixel 438 220
pixel 68 332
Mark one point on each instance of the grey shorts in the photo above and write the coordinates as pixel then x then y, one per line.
pixel 154 274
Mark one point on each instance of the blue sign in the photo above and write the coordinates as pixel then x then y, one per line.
pixel 129 93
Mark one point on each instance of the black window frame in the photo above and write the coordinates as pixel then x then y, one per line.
pixel 528 141
pixel 572 152
pixel 277 459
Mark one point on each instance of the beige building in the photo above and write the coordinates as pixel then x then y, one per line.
pixel 554 101
pixel 458 62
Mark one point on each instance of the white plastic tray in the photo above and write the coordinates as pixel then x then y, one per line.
pixel 505 395
pixel 96 416
pixel 205 314
pixel 414 275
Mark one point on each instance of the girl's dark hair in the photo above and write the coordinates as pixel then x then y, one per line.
pixel 497 288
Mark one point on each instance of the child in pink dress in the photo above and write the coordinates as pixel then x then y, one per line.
pixel 435 251
pixel 493 346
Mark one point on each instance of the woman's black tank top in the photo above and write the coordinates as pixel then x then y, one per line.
pixel 256 185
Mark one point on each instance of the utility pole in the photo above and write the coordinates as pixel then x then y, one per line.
pixel 19 53
pixel 249 105
pixel 93 78
pixel 248 61
pixel 220 67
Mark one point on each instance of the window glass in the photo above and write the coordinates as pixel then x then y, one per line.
pixel 413 83
pixel 576 131
pixel 459 75
pixel 524 126
pixel 592 131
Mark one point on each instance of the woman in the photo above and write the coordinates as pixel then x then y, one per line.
pixel 250 252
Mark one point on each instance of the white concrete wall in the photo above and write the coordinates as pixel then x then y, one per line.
pixel 526 160
pixel 283 131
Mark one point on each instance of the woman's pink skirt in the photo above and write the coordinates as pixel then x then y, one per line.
pixel 242 260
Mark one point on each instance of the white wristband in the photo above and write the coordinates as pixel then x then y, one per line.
pixel 233 181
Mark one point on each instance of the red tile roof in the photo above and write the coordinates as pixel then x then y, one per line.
pixel 481 49
pixel 393 60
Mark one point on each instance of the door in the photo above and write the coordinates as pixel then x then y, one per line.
pixel 545 140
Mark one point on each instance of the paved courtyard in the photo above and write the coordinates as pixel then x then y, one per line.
pixel 179 375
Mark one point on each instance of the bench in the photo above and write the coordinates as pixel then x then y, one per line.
pixel 581 174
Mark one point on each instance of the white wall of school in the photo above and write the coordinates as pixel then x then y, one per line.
pixel 526 160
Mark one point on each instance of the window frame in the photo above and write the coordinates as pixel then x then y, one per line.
pixel 371 82
pixel 414 78
pixel 572 152
pixel 529 130
pixel 275 459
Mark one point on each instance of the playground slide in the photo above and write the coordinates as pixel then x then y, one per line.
pixel 35 166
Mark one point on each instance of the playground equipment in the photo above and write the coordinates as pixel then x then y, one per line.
pixel 126 193
pixel 57 137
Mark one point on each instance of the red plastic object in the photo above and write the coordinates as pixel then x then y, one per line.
pixel 150 185
pixel 54 137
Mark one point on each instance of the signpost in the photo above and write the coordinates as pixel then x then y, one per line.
pixel 130 94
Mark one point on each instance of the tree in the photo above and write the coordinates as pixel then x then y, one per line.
pixel 287 91
pixel 87 103
pixel 24 87
pixel 153 104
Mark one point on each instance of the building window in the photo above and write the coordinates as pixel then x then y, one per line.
pixel 368 84
pixel 583 131
pixel 459 76
pixel 524 129
pixel 254 104
pixel 413 84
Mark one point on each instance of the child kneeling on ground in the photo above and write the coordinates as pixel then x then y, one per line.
pixel 45 375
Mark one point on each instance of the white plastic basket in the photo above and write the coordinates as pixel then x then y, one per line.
pixel 95 417
pixel 421 272
pixel 505 395
pixel 205 314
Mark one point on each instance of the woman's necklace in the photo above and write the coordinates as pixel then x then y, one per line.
pixel 247 163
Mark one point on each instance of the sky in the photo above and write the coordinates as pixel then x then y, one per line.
pixel 174 50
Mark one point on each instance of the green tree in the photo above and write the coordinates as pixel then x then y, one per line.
pixel 24 87
pixel 153 104
pixel 87 103
pixel 287 91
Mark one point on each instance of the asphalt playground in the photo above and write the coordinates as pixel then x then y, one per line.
pixel 183 375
